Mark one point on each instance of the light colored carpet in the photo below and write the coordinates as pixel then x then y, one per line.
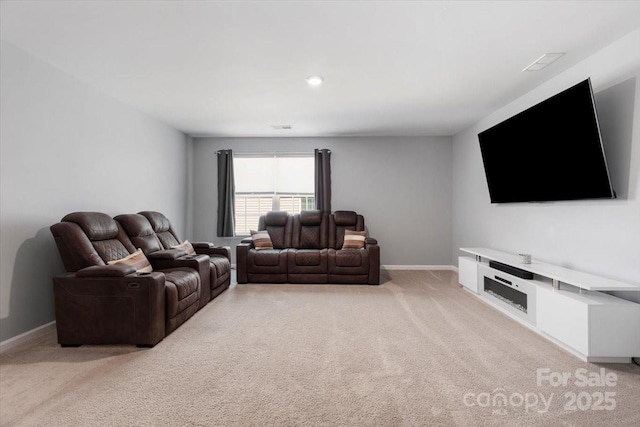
pixel 408 353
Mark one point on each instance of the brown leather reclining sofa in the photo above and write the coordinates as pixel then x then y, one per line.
pixel 98 303
pixel 307 248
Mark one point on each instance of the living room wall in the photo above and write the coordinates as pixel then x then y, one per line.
pixel 599 236
pixel 402 186
pixel 66 147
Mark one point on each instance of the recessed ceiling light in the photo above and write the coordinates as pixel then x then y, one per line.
pixel 543 61
pixel 315 80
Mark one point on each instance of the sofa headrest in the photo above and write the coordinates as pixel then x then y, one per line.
pixel 310 217
pixel 135 225
pixel 96 225
pixel 276 218
pixel 345 218
pixel 158 221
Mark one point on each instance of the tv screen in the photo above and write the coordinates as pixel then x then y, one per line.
pixel 549 152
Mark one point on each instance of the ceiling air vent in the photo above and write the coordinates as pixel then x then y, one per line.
pixel 543 61
pixel 281 127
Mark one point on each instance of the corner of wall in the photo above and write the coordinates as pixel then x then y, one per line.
pixel 189 219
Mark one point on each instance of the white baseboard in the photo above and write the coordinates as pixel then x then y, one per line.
pixel 27 336
pixel 420 267
pixel 407 267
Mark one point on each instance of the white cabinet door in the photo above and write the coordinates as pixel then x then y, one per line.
pixel 614 330
pixel 468 273
pixel 563 318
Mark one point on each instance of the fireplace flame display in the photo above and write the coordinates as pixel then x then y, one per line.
pixel 506 294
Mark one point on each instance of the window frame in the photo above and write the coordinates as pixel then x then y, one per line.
pixel 306 199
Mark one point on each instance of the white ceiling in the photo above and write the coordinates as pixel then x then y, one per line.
pixel 390 68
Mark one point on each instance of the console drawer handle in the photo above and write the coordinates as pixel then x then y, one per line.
pixel 134 285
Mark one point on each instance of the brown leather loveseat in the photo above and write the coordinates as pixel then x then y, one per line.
pixel 308 248
pixel 100 303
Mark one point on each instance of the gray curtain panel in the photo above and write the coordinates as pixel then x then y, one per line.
pixel 323 179
pixel 226 194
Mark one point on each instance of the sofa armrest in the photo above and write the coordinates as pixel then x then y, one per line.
pixel 242 254
pixel 220 251
pixel 188 261
pixel 106 271
pixel 166 254
pixel 110 310
pixel 202 245
pixel 371 245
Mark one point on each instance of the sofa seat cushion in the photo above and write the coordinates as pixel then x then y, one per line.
pixel 348 261
pixel 268 257
pixel 271 261
pixel 185 279
pixel 307 261
pixel 306 257
pixel 183 289
pixel 221 265
pixel 348 258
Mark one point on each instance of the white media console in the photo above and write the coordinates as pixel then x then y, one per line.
pixel 566 306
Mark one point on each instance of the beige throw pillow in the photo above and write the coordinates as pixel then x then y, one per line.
pixel 185 246
pixel 353 239
pixel 261 240
pixel 137 260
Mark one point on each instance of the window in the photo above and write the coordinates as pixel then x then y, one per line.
pixel 271 182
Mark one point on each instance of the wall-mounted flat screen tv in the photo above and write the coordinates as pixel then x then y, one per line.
pixel 549 152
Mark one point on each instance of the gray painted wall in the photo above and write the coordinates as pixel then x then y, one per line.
pixel 598 237
pixel 372 176
pixel 66 147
